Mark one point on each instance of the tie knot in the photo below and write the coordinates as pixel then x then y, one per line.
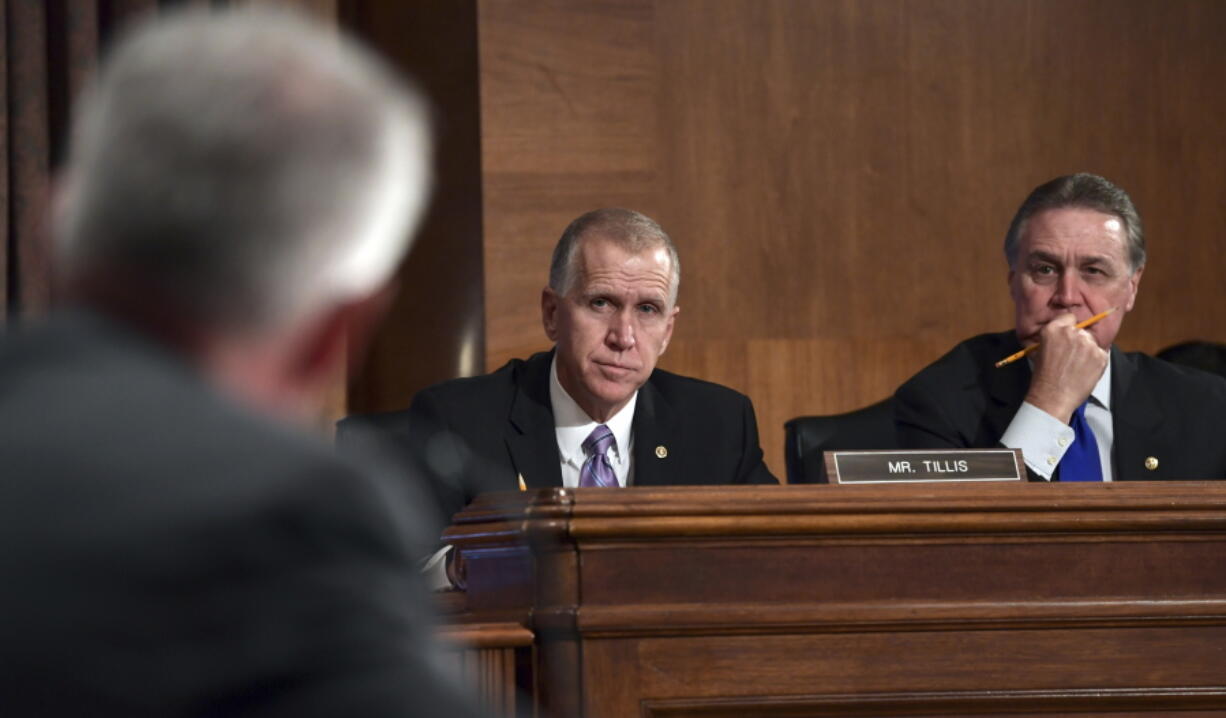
pixel 599 441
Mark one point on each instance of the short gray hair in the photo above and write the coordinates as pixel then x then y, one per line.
pixel 1084 191
pixel 633 231
pixel 249 164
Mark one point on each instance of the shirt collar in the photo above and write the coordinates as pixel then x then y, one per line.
pixel 1102 390
pixel 573 425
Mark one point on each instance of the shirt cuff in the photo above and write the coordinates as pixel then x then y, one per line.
pixel 1042 438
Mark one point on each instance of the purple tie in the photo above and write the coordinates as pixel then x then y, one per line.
pixel 597 471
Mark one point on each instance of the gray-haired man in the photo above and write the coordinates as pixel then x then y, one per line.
pixel 1079 409
pixel 239 188
pixel 595 411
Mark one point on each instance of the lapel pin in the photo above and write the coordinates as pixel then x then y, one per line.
pixel 661 452
pixel 1151 463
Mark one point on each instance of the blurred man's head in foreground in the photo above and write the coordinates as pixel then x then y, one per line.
pixel 242 184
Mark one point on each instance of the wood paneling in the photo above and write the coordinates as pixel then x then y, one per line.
pixel 435 328
pixel 568 107
pixel 838 175
pixel 487 658
pixel 918 600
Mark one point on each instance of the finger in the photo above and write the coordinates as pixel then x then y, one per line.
pixel 1066 320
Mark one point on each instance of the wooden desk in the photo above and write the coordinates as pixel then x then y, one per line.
pixel 1029 599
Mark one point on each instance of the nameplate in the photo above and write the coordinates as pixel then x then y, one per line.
pixel 907 467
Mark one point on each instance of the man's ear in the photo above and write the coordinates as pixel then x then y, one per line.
pixel 668 328
pixel 1013 278
pixel 338 338
pixel 365 316
pixel 549 313
pixel 1134 283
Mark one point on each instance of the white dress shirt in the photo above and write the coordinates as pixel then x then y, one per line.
pixel 1043 438
pixel 573 426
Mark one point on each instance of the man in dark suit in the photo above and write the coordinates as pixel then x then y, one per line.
pixel 1078 408
pixel 238 190
pixel 594 411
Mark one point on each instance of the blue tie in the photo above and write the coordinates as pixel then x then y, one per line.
pixel 1081 462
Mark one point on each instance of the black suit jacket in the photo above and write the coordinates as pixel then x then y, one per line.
pixel 1158 410
pixel 164 552
pixel 469 436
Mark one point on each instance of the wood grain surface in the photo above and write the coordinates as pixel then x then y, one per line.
pixel 1029 599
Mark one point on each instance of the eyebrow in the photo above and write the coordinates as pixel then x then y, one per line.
pixel 633 298
pixel 1043 257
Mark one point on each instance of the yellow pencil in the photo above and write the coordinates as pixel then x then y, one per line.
pixel 1033 347
pixel 522 485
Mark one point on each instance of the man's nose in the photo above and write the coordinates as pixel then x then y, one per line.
pixel 621 332
pixel 1068 290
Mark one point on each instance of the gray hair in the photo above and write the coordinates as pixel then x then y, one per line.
pixel 248 164
pixel 633 231
pixel 1083 191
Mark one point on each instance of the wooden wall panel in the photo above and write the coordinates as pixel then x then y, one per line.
pixel 568 96
pixel 839 174
pixel 435 329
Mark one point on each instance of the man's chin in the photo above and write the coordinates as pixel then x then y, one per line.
pixel 613 393
pixel 1028 339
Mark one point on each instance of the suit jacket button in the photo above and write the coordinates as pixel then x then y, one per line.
pixel 1151 463
pixel 661 452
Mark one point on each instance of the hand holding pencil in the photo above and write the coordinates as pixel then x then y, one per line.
pixel 1035 347
pixel 1067 368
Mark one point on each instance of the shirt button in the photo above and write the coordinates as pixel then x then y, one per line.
pixel 1051 461
pixel 1063 441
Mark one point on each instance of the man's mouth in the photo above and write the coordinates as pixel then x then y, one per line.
pixel 615 368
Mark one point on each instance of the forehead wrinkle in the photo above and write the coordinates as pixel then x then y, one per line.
pixel 1094 258
pixel 650 289
pixel 1054 249
pixel 1064 226
pixel 623 279
pixel 1057 259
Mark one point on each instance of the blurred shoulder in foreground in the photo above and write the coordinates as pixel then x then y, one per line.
pixel 240 186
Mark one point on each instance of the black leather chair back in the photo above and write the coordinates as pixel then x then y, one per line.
pixel 808 436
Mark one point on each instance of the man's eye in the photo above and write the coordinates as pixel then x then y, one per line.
pixel 649 308
pixel 1044 269
pixel 599 303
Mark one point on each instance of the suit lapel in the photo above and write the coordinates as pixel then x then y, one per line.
pixel 654 426
pixel 1134 418
pixel 1007 388
pixel 531 438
